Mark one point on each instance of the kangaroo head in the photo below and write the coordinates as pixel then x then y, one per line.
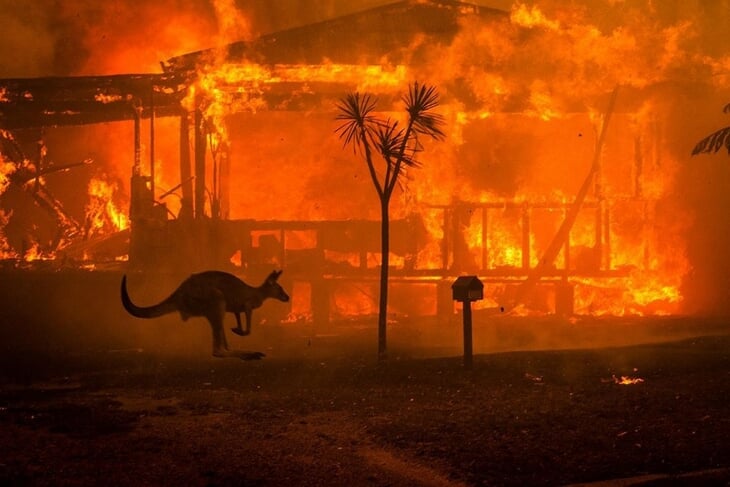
pixel 273 289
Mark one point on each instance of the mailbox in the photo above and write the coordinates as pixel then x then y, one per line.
pixel 467 289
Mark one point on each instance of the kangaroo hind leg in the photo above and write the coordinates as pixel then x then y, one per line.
pixel 215 316
pixel 220 344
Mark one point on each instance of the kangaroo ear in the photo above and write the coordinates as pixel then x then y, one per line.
pixel 274 275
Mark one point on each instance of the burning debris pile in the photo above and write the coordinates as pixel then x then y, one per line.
pixel 243 158
pixel 35 224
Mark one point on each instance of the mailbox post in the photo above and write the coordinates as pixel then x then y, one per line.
pixel 467 289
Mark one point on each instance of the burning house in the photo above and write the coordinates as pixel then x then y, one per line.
pixel 555 183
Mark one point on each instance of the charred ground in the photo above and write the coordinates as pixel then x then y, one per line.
pixel 80 408
pixel 519 418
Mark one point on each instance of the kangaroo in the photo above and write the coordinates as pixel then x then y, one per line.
pixel 211 294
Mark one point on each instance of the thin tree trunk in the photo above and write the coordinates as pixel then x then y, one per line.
pixel 384 263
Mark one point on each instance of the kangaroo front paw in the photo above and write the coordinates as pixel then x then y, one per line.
pixel 238 331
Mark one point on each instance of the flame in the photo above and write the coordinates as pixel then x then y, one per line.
pixel 6 170
pixel 638 295
pixel 233 24
pixel 534 85
pixel 362 77
pixel 35 253
pixel 6 251
pixel 240 87
pixel 542 102
pixel 351 300
pixel 530 17
pixel 103 216
pixel 300 303
pixel 227 89
pixel 134 40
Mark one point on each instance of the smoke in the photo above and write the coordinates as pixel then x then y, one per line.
pixel 27 40
pixel 86 37
pixel 45 37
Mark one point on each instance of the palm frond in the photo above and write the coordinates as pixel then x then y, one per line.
pixel 389 139
pixel 430 124
pixel 355 111
pixel 420 98
pixel 419 101
pixel 714 142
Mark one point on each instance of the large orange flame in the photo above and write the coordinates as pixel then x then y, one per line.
pixel 103 216
pixel 536 85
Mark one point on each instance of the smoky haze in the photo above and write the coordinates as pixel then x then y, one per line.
pixel 85 37
pixel 50 38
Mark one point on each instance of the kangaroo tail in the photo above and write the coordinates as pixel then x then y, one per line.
pixel 163 308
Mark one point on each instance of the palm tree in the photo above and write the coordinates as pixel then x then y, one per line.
pixel 396 147
pixel 715 141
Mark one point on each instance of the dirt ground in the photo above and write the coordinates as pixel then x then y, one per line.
pixel 319 409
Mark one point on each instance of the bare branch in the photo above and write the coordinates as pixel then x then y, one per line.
pixel 389 140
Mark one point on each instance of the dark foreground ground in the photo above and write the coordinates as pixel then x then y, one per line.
pixel 328 414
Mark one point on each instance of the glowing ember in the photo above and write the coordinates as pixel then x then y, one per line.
pixel 626 380
pixel 104 98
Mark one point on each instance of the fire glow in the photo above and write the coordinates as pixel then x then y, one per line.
pixel 228 88
pixel 625 380
pixel 524 97
pixel 103 216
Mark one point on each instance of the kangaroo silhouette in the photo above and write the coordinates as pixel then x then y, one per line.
pixel 211 294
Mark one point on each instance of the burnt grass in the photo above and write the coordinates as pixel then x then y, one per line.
pixel 336 417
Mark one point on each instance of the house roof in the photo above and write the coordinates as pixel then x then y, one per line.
pixel 368 37
pixel 79 100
